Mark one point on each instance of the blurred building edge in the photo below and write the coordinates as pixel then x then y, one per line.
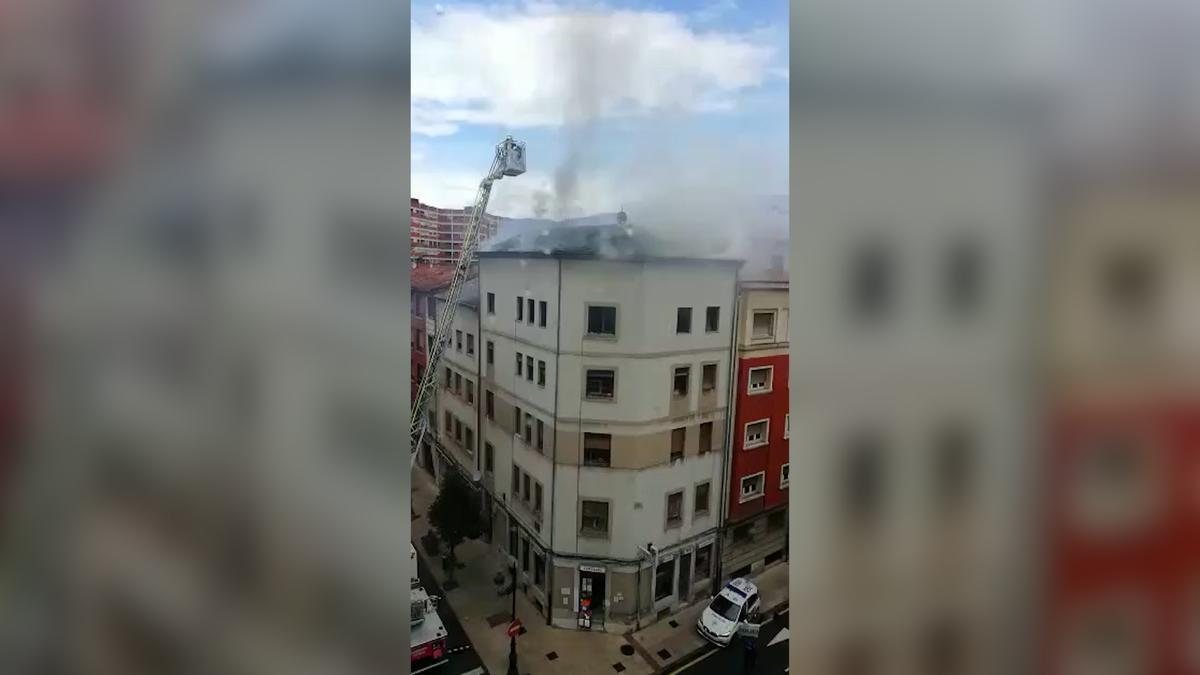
pixel 219 356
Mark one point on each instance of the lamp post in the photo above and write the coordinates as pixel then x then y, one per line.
pixel 512 639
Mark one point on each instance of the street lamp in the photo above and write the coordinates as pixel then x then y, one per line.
pixel 512 639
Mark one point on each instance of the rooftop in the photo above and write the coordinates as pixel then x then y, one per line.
pixel 610 242
pixel 427 278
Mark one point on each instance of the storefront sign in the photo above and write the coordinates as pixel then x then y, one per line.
pixel 589 568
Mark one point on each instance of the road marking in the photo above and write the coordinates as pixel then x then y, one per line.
pixel 698 659
pixel 779 637
pixel 431 666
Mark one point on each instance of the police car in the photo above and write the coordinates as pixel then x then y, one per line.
pixel 719 621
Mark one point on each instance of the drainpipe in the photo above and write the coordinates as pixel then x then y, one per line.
pixel 730 419
pixel 480 393
pixel 550 604
pixel 650 551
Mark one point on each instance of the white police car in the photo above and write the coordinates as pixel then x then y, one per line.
pixel 719 621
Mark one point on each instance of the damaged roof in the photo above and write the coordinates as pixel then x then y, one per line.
pixel 610 242
pixel 427 278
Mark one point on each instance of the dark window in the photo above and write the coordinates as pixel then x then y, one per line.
pixel 520 362
pixel 528 429
pixel 489 457
pixel 457 383
pixel 539 570
pixel 537 498
pixel 449 423
pixel 520 308
pixel 1130 282
pixel 469 439
pixel 700 502
pixel 664 580
pixel 529 368
pixel 517 420
pixel 601 320
pixel 525 481
pixel 489 404
pixel 542 313
pixel 593 517
pixel 742 532
pixel 953 457
pixel 683 320
pixel 872 285
pixel 516 482
pixel 706 436
pixel 530 307
pixel 964 276
pixel 524 555
pixel 470 391
pixel 449 379
pixel 708 379
pixel 597 449
pixel 512 537
pixel 540 435
pixel 458 428
pixel 703 561
pixel 675 509
pixel 681 380
pixel 601 384
pixel 470 343
pixel 862 486
pixel 762 326
pixel 678 439
pixel 541 373
pixel 458 340
pixel 491 353
pixel 712 319
pixel 491 303
pixel 777 520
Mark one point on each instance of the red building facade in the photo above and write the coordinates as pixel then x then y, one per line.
pixel 756 493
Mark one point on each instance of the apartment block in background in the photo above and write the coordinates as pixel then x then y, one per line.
pixel 437 233
pixel 601 402
pixel 755 528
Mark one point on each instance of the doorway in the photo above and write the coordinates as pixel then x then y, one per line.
pixel 591 598
pixel 685 577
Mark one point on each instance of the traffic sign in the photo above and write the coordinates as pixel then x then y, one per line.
pixel 514 628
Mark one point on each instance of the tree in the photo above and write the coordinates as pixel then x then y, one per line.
pixel 455 513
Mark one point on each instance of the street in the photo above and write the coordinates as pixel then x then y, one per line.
pixel 462 659
pixel 772 654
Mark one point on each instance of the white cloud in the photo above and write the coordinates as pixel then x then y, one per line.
pixel 515 197
pixel 545 65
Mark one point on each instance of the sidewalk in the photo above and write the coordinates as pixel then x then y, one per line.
pixel 542 649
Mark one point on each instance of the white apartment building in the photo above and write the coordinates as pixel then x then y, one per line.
pixel 911 342
pixel 601 400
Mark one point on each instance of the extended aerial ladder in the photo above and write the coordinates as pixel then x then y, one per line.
pixel 509 161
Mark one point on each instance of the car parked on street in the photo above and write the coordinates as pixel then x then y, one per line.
pixel 719 621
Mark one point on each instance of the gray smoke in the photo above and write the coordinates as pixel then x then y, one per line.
pixel 584 63
pixel 541 203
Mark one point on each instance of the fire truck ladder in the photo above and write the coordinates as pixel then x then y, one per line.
pixel 509 161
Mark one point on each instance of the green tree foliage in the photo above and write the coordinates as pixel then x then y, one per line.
pixel 456 513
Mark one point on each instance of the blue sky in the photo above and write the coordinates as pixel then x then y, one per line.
pixel 617 101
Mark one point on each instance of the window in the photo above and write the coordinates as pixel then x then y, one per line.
pixel 752 486
pixel 525 481
pixel 700 500
pixel 542 313
pixel 529 368
pixel 862 477
pixel 712 319
pixel 520 308
pixel 593 518
pixel 491 303
pixel 678 439
pixel 541 373
pixel 516 482
pixel 458 430
pixel 458 340
pixel 703 561
pixel 517 420
pixel 756 434
pixel 787 425
pixel 524 555
pixel 760 380
pixel 539 571
pixel 664 580
pixel 449 379
pixel 708 377
pixel 601 384
pixel 449 423
pixel 964 276
pixel 529 316
pixel 458 383
pixel 601 320
pixel 783 476
pixel 520 363
pixel 682 374
pixel 871 281
pixel 431 305
pixel 489 404
pixel 528 429
pixel 470 343
pixel 540 435
pixel 762 326
pixel 470 392
pixel 683 320
pixel 1116 481
pixel 469 440
pixel 952 465
pixel 537 498
pixel 706 437
pixel 597 449
pixel 489 457
pixel 1130 282
pixel 491 352
pixel 675 509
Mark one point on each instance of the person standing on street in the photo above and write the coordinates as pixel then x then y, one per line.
pixel 750 652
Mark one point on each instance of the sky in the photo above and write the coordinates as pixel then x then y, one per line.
pixel 620 104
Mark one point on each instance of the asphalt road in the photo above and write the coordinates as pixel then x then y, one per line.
pixel 772 658
pixel 462 659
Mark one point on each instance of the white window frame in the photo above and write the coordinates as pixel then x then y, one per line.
pixel 746 445
pixel 785 475
pixel 762 489
pixel 774 324
pixel 750 390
